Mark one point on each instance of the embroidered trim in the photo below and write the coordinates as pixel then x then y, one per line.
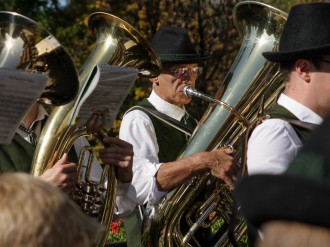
pixel 31 133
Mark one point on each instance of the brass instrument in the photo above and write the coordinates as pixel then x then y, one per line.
pixel 26 45
pixel 250 82
pixel 119 44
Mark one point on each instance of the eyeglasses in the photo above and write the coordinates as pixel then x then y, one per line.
pixel 183 72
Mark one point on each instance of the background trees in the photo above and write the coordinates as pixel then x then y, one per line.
pixel 210 24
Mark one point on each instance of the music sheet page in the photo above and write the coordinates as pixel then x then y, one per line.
pixel 19 91
pixel 104 92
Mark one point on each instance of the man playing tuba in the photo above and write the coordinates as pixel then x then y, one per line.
pixel 305 66
pixel 35 50
pixel 159 128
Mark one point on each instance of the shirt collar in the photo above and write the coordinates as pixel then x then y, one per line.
pixel 165 107
pixel 302 112
pixel 42 113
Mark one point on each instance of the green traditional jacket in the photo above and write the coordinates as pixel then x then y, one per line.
pixel 17 156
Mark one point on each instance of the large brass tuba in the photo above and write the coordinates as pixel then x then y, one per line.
pixel 119 44
pixel 250 80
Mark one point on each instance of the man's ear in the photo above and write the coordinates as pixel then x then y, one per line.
pixel 154 80
pixel 303 68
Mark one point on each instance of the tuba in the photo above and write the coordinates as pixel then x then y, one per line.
pixel 204 205
pixel 119 44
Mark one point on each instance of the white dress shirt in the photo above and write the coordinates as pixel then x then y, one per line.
pixel 137 129
pixel 274 143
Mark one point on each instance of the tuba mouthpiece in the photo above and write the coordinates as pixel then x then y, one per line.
pixel 190 91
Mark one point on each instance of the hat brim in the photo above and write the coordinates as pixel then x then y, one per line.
pixel 284 197
pixel 293 55
pixel 182 59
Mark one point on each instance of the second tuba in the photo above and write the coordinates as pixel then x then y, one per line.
pixel 116 43
pixel 206 202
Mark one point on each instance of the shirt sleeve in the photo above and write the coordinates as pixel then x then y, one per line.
pixel 271 147
pixel 137 129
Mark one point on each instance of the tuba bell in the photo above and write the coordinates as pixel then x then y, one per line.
pixel 116 43
pixel 26 45
pixel 204 205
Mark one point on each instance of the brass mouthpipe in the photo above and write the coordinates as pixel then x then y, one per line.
pixel 192 92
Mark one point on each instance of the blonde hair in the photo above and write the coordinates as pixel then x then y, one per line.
pixel 34 213
pixel 292 234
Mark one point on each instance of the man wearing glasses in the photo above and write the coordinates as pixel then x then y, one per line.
pixel 159 127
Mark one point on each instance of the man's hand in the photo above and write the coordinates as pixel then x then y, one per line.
pixel 223 165
pixel 63 174
pixel 220 163
pixel 120 154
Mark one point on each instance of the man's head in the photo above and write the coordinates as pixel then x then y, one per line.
pixel 304 56
pixel 179 64
pixel 308 82
pixel 35 213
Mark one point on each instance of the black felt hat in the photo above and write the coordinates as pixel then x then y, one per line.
pixel 306 33
pixel 287 197
pixel 301 194
pixel 174 46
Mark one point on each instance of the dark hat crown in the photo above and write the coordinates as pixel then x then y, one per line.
pixel 306 33
pixel 173 45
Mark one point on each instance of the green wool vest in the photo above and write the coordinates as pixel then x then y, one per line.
pixel 278 111
pixel 171 141
pixel 17 156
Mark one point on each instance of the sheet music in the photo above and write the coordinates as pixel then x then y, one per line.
pixel 106 89
pixel 19 91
